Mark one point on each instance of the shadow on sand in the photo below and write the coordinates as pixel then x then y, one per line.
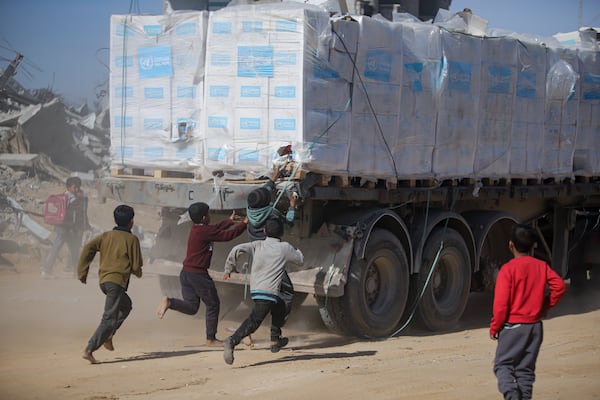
pixel 305 357
pixel 478 312
pixel 154 355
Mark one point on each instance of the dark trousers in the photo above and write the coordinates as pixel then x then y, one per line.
pixel 196 287
pixel 116 309
pixel 260 310
pixel 72 238
pixel 286 293
pixel 516 355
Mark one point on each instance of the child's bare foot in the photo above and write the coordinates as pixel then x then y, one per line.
pixel 87 355
pixel 108 345
pixel 248 341
pixel 214 343
pixel 163 307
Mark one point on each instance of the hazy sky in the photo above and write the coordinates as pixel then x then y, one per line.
pixel 65 42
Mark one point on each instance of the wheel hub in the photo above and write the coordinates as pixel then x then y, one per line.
pixel 372 284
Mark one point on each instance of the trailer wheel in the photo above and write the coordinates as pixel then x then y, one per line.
pixel 376 293
pixel 447 292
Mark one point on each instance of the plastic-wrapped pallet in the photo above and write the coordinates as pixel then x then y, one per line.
pixel 497 93
pixel 376 99
pixel 156 89
pixel 528 117
pixel 587 149
pixel 267 75
pixel 328 125
pixel 458 112
pixel 422 55
pixel 560 112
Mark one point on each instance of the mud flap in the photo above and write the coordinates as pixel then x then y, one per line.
pixel 286 292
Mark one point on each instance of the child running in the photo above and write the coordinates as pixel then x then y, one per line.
pixel 269 258
pixel 196 283
pixel 120 256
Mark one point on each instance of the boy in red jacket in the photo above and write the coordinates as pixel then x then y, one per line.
pixel 520 303
pixel 196 283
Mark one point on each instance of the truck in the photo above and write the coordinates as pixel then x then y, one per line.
pixel 413 147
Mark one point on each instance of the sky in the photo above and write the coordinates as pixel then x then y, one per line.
pixel 65 42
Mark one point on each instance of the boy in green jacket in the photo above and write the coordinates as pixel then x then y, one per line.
pixel 120 256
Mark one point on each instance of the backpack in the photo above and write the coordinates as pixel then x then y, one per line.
pixel 55 209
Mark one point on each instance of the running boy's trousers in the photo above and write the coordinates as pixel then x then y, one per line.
pixel 116 309
pixel 516 354
pixel 196 287
pixel 259 312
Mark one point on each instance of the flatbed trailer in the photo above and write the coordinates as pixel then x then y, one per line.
pixel 373 249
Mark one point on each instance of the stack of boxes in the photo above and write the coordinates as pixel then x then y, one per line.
pixel 496 93
pixel 586 160
pixel 422 56
pixel 156 89
pixel 354 96
pixel 560 112
pixel 528 115
pixel 263 77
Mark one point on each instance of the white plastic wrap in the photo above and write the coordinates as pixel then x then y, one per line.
pixel 354 96
pixel 156 89
pixel 561 112
pixel 587 149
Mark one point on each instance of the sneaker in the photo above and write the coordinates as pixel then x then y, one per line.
pixel 228 352
pixel 277 345
pixel 87 355
pixel 512 395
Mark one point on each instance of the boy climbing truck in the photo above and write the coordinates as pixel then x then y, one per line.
pixel 414 149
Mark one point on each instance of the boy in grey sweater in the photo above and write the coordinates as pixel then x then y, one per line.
pixel 269 258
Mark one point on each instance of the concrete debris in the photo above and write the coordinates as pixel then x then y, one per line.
pixel 66 139
pixel 19 232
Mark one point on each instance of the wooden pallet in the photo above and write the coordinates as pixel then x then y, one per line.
pixel 344 181
pixel 152 173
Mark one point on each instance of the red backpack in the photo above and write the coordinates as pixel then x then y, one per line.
pixel 55 209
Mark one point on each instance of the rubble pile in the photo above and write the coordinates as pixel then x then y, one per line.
pixel 65 140
pixel 19 210
pixel 42 142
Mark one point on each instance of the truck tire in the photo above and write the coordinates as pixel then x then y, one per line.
pixel 447 292
pixel 376 293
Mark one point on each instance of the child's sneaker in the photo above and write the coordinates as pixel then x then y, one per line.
pixel 277 345
pixel 228 351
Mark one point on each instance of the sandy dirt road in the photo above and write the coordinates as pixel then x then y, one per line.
pixel 45 324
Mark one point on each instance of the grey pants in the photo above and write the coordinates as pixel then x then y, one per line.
pixel 116 309
pixel 72 239
pixel 516 355
pixel 259 312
